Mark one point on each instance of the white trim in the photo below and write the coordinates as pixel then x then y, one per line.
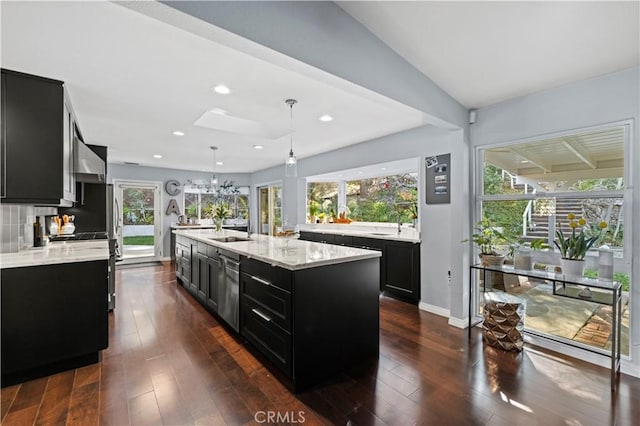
pixel 434 309
pixel 157 187
pixel 558 134
pixel 458 323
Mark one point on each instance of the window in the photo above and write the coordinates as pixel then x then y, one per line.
pixel 528 190
pixel 198 202
pixel 383 199
pixel 386 199
pixel 322 201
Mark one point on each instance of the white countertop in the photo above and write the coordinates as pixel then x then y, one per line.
pixel 57 252
pixel 288 253
pixel 408 235
pixel 203 226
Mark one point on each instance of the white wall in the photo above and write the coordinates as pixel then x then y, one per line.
pixel 156 174
pixel 606 99
pixel 442 226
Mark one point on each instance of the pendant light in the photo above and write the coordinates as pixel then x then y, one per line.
pixel 214 179
pixel 291 164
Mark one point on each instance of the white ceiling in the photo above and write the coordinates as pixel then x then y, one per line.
pixel 482 53
pixel 135 76
pixel 133 80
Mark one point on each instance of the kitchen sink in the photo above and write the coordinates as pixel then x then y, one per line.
pixel 229 239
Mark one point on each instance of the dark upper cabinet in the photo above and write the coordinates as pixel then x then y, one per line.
pixel 37 141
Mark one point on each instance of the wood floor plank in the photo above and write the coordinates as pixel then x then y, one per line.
pixel 7 395
pixel 143 409
pixel 84 405
pixel 56 398
pixel 170 362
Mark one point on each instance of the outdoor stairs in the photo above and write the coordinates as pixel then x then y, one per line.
pixel 539 228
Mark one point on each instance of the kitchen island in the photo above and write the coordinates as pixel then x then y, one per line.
pixel 54 308
pixel 309 310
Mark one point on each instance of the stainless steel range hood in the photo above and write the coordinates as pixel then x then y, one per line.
pixel 88 167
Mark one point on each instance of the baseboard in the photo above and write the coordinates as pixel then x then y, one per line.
pixel 433 309
pixel 458 323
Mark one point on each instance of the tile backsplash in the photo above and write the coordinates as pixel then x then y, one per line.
pixel 17 225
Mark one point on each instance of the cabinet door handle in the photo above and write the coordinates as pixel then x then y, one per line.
pixel 261 281
pixel 261 315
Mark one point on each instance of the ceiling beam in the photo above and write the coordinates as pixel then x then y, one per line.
pixel 532 159
pixel 578 150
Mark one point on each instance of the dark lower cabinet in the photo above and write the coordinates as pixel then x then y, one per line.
pixel 54 318
pixel 306 325
pixel 214 271
pixel 313 323
pixel 399 265
pixel 402 270
pixel 194 282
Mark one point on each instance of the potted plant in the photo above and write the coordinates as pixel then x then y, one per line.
pixel 218 213
pixel 314 208
pixel 487 238
pixel 573 248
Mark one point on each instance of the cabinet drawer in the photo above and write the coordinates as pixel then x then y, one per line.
pixel 271 300
pixel 343 240
pixel 273 342
pixel 278 277
pixel 367 243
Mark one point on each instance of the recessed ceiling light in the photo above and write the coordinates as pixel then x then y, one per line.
pixel 157 156
pixel 524 161
pixel 326 118
pixel 383 168
pixel 219 163
pixel 178 133
pixel 360 172
pixel 258 146
pixel 222 89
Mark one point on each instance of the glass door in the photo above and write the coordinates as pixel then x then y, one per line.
pixel 270 209
pixel 138 227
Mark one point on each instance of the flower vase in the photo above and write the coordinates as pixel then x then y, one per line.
pixel 572 267
pixel 218 224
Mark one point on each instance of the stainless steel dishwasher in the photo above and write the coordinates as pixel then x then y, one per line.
pixel 229 288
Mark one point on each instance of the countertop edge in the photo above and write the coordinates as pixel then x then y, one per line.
pixel 56 253
pixel 364 234
pixel 370 254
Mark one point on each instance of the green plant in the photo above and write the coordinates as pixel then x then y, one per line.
pixel 622 278
pixel 576 245
pixel 413 211
pixel 487 237
pixel 221 211
pixel 314 208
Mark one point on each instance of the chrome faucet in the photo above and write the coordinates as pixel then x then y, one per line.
pixel 399 220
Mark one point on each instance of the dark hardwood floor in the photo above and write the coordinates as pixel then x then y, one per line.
pixel 169 362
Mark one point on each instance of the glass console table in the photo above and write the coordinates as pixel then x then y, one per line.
pixel 603 292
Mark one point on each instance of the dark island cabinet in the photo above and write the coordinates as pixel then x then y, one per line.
pixel 37 141
pixel 54 318
pixel 312 323
pixel 399 265
pixel 199 271
pixel 214 272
